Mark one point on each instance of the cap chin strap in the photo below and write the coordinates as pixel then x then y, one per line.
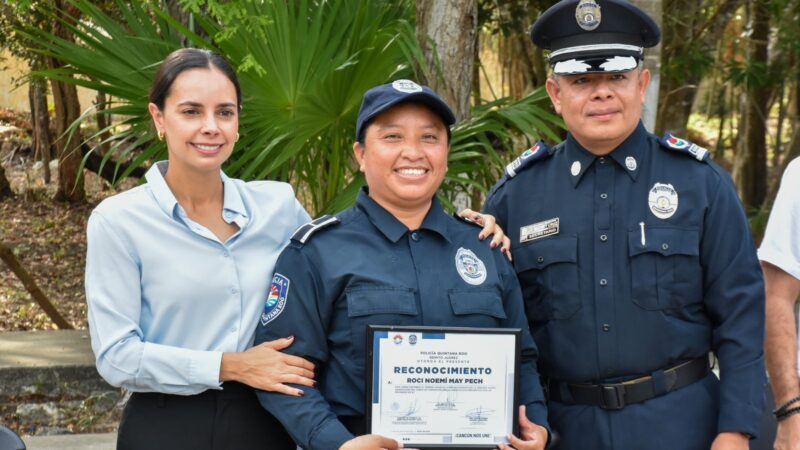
pixel 610 65
pixel 595 47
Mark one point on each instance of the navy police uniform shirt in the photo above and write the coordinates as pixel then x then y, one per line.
pixel 634 262
pixel 368 268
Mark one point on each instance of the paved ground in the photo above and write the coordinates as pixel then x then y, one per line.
pixel 45 349
pixel 72 442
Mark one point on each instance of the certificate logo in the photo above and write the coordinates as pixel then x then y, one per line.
pixel 398 339
pixel 412 340
pixel 470 267
pixel 276 300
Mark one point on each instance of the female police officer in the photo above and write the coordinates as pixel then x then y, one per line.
pixel 388 260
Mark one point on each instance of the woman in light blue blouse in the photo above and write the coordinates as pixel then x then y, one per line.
pixel 177 271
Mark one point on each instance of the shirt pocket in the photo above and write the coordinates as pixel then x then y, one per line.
pixel 476 308
pixel 377 306
pixel 548 270
pixel 665 269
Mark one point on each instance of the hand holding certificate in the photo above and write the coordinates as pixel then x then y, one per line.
pixel 443 387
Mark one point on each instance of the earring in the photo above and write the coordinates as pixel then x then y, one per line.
pixel 160 135
pixel 237 137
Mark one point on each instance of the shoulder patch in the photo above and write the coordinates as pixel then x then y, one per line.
pixel 304 232
pixel 679 145
pixel 538 152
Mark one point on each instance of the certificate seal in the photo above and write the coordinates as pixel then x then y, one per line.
pixel 470 267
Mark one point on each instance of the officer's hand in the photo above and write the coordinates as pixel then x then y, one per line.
pixel 533 437
pixel 490 228
pixel 371 442
pixel 788 436
pixel 731 441
pixel 266 367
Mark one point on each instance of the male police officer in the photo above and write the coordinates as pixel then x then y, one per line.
pixel 395 258
pixel 634 256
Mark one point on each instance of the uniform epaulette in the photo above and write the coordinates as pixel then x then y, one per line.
pixel 304 233
pixel 683 146
pixel 466 220
pixel 539 151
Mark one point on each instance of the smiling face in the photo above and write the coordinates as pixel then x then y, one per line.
pixel 601 110
pixel 199 120
pixel 404 157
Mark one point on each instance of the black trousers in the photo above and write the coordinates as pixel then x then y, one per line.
pixel 230 419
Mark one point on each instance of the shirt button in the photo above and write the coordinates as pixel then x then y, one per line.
pixel 602 160
pixel 664 246
pixel 226 254
pixel 233 329
pixel 603 237
pixel 234 291
pixel 606 327
pixel 603 282
pixel 540 259
pixel 604 196
pixel 228 215
pixel 415 236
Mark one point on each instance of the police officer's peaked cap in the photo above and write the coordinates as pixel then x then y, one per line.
pixel 382 98
pixel 594 36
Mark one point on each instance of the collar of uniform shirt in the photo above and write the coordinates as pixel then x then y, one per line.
pixel 232 201
pixel 393 229
pixel 634 147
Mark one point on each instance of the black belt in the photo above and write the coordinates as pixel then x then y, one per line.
pixel 617 395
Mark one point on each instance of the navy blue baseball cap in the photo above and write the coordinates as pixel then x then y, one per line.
pixel 595 36
pixel 384 97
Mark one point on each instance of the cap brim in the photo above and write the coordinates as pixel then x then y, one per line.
pixel 607 64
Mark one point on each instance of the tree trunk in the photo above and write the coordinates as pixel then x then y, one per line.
pixel 40 122
pixel 7 256
pixel 5 186
pixel 750 171
pixel 692 27
pixel 652 62
pixel 68 109
pixel 447 32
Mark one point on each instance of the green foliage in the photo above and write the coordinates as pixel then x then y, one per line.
pixel 303 65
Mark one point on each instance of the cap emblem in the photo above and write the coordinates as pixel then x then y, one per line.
pixel 587 14
pixel 407 86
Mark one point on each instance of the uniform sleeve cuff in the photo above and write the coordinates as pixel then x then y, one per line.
pixel 330 436
pixel 740 419
pixel 204 369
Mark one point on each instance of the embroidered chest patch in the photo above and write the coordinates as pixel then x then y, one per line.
pixel 276 300
pixel 470 267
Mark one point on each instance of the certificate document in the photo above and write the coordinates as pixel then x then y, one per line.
pixel 443 387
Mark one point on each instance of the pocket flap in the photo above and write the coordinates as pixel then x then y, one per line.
pixel 377 300
pixel 539 255
pixel 474 301
pixel 664 240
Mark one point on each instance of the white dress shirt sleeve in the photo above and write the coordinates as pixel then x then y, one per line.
pixel 123 357
pixel 781 244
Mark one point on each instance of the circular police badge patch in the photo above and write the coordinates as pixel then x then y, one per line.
pixel 470 267
pixel 276 300
pixel 663 200
pixel 407 86
pixel 630 163
pixel 587 14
